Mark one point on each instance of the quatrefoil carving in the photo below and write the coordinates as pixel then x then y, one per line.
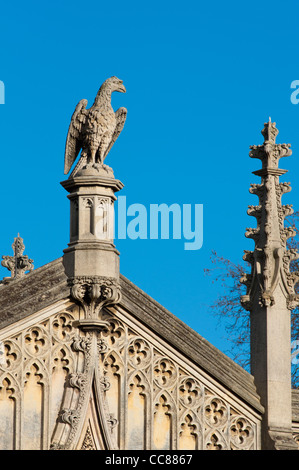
pixel 216 412
pixel 62 326
pixel 36 341
pixel 190 392
pixel 139 353
pixel 165 373
pixel 241 432
pixel 12 356
pixel 114 332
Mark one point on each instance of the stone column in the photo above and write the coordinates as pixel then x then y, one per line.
pixel 91 260
pixel 270 293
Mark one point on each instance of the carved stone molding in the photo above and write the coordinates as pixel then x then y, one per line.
pixel 112 421
pixel 77 380
pixel 133 385
pixel 70 417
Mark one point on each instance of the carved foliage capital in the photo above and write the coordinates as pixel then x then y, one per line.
pixel 93 293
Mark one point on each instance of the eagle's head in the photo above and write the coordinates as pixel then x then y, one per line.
pixel 116 84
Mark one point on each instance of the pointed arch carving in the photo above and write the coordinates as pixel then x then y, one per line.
pixel 96 433
pixel 163 422
pixel 10 407
pixel 62 365
pixel 190 432
pixel 89 384
pixel 114 374
pixel 215 441
pixel 35 406
pixel 112 360
pixel 10 385
pixel 62 358
pixel 138 414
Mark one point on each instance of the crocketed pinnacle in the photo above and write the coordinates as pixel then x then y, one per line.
pixel 270 261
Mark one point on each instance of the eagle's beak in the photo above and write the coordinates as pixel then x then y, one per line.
pixel 122 88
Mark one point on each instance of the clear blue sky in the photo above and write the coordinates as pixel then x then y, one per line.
pixel 201 79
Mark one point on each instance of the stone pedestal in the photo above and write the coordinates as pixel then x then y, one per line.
pixel 91 260
pixel 91 251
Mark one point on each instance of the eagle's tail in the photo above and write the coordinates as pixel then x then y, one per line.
pixel 82 161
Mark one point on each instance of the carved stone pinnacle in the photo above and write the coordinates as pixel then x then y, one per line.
pixel 18 264
pixel 271 259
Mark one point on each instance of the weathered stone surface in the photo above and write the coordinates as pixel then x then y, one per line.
pixel 48 284
pixel 35 291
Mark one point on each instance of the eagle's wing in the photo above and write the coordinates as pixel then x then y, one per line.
pixel 120 116
pixel 73 140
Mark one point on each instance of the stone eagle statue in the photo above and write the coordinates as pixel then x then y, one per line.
pixel 94 130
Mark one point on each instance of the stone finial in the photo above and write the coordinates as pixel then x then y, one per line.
pixel 270 152
pixel 270 131
pixel 18 264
